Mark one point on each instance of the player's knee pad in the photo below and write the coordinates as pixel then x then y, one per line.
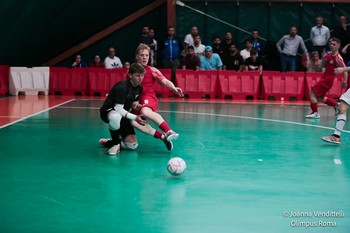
pixel 114 120
pixel 128 145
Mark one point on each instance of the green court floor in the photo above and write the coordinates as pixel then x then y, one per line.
pixel 251 168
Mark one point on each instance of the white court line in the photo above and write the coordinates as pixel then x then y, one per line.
pixel 233 116
pixel 34 114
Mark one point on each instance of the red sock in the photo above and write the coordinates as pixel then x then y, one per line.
pixel 313 107
pixel 331 102
pixel 158 134
pixel 164 126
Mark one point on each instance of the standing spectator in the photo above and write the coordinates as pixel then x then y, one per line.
pixel 290 44
pixel 78 63
pixel 227 42
pixel 245 53
pixel 189 39
pixel 145 38
pixel 315 63
pixel 233 60
pixel 257 43
pixel 342 32
pixel 111 61
pixel 198 47
pixel 171 52
pixel 210 61
pixel 254 62
pixel 191 60
pixel 153 58
pixel 319 36
pixel 97 62
pixel 217 47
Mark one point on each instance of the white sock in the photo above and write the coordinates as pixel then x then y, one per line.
pixel 341 120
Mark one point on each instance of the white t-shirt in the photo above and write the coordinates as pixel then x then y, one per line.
pixel 189 39
pixel 113 63
pixel 199 51
pixel 245 54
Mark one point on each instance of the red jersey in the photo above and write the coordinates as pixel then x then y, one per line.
pixel 148 96
pixel 326 82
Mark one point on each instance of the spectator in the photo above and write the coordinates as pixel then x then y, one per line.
pixel 153 57
pixel 257 43
pixel 191 60
pixel 97 62
pixel 111 61
pixel 290 44
pixel 145 38
pixel 254 62
pixel 198 47
pixel 245 53
pixel 233 60
pixel 189 39
pixel 171 52
pixel 227 42
pixel 126 65
pixel 78 63
pixel 319 36
pixel 210 61
pixel 315 63
pixel 342 32
pixel 217 47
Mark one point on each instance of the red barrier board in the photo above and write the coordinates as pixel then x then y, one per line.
pixel 102 80
pixel 198 84
pixel 4 80
pixel 288 85
pixel 67 81
pixel 239 85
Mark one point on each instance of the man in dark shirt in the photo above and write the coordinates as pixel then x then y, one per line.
pixel 116 107
pixel 218 47
pixel 191 61
pixel 233 60
pixel 253 62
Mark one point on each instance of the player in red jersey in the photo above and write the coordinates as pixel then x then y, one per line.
pixel 148 103
pixel 330 61
pixel 341 117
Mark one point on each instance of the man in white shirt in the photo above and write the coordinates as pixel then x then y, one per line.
pixel 245 53
pixel 189 39
pixel 112 62
pixel 198 47
pixel 319 36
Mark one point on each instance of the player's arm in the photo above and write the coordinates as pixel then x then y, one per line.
pixel 340 63
pixel 165 82
pixel 119 108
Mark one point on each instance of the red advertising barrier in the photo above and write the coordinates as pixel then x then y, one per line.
pixel 239 85
pixel 335 92
pixel 288 85
pixel 65 81
pixel 4 80
pixel 197 84
pixel 160 90
pixel 102 80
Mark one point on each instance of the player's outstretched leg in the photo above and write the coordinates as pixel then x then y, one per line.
pixel 313 105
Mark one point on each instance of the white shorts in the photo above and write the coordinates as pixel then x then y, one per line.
pixel 346 97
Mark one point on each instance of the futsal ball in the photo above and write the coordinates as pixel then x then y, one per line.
pixel 176 166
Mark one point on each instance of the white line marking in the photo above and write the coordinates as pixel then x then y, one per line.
pixel 337 161
pixel 233 116
pixel 34 114
pixel 253 118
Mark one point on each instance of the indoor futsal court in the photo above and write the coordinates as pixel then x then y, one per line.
pixel 252 167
